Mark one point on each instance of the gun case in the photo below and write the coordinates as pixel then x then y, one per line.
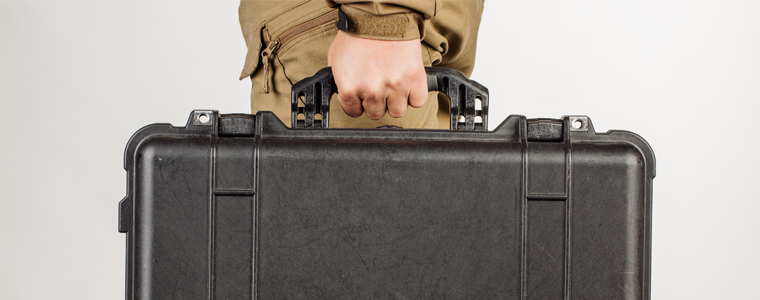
pixel 242 207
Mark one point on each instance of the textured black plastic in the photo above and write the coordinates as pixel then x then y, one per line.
pixel 464 95
pixel 242 207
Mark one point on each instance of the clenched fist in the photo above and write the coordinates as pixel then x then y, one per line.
pixel 375 76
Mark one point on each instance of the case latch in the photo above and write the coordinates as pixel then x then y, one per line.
pixel 237 125
pixel 545 130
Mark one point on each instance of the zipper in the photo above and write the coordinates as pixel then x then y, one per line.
pixel 266 58
pixel 287 35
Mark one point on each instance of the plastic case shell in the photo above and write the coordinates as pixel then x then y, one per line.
pixel 242 207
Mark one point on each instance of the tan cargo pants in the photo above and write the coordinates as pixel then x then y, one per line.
pixel 288 41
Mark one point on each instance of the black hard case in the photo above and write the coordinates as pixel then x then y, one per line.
pixel 242 207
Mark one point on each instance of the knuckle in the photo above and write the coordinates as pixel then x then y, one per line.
pixel 372 96
pixel 348 101
pixel 397 106
pixel 373 111
pixel 395 83
pixel 351 105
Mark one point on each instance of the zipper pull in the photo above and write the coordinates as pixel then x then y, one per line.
pixel 266 59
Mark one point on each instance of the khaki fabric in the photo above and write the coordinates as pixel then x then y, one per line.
pixel 394 27
pixel 428 8
pixel 450 41
pixel 413 12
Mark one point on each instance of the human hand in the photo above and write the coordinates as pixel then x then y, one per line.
pixel 373 76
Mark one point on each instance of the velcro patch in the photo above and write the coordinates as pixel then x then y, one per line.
pixel 379 26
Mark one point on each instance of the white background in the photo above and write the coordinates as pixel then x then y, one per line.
pixel 78 78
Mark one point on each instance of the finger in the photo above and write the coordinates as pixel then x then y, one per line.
pixel 397 104
pixel 351 104
pixel 374 105
pixel 417 97
pixel 418 93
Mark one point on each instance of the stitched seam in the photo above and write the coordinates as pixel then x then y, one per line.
pixel 299 20
pixel 287 10
pixel 303 37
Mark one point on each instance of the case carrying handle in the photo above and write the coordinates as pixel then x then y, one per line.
pixel 463 93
